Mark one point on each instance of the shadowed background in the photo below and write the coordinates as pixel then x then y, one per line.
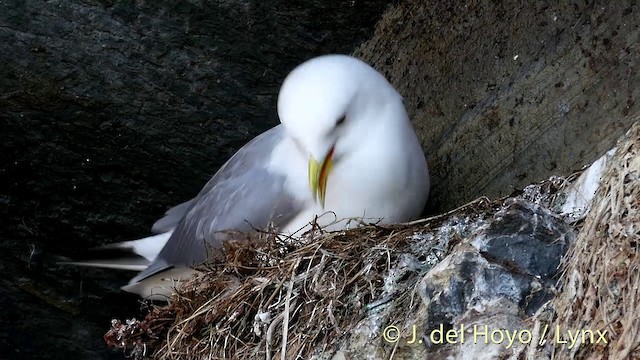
pixel 111 112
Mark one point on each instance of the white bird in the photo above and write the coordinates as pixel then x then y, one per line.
pixel 345 147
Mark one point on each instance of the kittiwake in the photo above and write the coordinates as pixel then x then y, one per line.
pixel 345 147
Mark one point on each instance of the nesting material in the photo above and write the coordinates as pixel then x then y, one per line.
pixel 602 278
pixel 281 298
pixel 597 313
pixel 310 298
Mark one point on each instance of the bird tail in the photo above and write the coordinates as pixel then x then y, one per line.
pixel 134 255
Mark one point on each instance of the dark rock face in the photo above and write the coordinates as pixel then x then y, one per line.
pixel 473 282
pixel 504 95
pixel 526 237
pixel 500 275
pixel 112 111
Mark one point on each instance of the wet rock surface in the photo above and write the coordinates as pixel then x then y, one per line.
pixel 496 268
pixel 526 238
pixel 496 278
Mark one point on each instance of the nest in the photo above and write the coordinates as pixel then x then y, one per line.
pixel 285 298
pixel 601 281
pixel 596 313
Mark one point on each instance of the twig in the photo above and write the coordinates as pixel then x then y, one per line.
pixel 480 200
pixel 285 322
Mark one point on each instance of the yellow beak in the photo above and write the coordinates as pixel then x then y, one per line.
pixel 318 174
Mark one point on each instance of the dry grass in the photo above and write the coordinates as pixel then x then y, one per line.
pixel 280 298
pixel 602 276
pixel 600 282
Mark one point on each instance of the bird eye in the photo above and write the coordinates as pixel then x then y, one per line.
pixel 340 121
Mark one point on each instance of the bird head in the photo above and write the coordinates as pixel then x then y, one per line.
pixel 327 105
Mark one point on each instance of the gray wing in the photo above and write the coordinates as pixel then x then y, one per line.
pixel 172 217
pixel 243 195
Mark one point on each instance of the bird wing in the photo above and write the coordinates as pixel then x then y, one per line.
pixel 172 217
pixel 243 195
